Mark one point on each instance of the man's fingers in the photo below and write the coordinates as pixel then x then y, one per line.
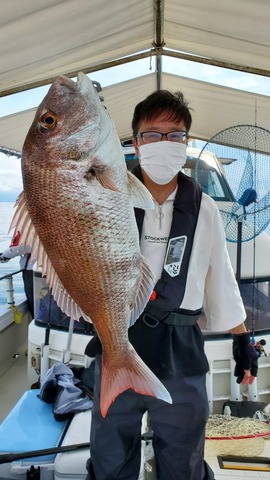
pixel 248 378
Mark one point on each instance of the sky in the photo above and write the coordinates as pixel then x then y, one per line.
pixel 10 168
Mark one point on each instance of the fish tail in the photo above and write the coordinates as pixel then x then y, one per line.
pixel 132 373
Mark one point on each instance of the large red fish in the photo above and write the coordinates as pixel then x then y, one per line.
pixel 76 211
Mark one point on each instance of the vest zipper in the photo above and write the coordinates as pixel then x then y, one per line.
pixel 160 216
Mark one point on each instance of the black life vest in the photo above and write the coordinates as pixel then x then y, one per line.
pixel 167 338
pixel 170 289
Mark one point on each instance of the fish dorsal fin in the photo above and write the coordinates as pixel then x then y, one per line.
pixel 145 288
pixel 22 222
pixel 140 197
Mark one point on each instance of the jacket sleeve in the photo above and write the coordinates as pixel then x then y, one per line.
pixel 11 252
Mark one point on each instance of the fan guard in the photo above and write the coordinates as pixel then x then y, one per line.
pixel 243 154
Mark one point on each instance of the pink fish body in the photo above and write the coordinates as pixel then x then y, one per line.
pixel 77 213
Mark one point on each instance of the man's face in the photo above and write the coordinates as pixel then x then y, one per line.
pixel 159 124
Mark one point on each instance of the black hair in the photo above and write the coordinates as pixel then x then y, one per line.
pixel 162 102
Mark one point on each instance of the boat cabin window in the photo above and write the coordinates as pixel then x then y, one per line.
pixel 212 181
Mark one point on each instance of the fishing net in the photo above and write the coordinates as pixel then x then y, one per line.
pixel 235 436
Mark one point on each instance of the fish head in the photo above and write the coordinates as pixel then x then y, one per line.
pixel 70 127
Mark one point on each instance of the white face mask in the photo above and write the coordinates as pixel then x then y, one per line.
pixel 162 160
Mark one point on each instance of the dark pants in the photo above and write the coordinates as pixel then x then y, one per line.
pixel 28 281
pixel 178 429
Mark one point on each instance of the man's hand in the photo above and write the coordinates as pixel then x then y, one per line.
pixel 246 358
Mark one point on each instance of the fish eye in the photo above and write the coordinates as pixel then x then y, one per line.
pixel 48 121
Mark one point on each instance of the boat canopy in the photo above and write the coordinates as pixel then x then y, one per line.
pixel 42 40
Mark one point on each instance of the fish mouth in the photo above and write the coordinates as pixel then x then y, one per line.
pixel 83 84
pixel 86 87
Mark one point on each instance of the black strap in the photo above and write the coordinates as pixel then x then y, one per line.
pixel 173 318
pixel 176 318
pixel 153 314
pixel 28 255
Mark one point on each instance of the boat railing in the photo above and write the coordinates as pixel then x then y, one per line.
pixel 10 287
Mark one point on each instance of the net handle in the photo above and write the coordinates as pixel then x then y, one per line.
pixel 239 437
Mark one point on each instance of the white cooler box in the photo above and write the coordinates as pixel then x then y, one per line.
pixel 30 426
pixel 72 465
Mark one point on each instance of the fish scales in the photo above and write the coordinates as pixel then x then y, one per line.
pixel 78 202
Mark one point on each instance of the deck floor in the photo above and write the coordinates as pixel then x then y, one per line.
pixel 13 379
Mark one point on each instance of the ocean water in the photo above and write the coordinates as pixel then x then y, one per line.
pixel 6 213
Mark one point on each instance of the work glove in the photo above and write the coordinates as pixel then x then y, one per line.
pixel 245 356
pixel 93 347
pixel 3 259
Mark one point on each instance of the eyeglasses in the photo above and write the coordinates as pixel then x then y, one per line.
pixel 150 137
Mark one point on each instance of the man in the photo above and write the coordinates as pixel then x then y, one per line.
pixel 184 240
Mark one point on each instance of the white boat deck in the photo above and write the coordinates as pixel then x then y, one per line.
pixel 13 379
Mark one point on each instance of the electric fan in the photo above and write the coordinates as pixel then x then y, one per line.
pixel 242 155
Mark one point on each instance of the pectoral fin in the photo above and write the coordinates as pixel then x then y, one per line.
pixel 103 175
pixel 139 195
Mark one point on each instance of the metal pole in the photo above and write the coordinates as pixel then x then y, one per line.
pixel 239 250
pixel 158 42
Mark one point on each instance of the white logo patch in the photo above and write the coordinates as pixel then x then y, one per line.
pixel 174 255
